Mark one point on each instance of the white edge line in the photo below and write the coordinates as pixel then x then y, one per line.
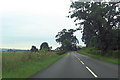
pixel 92 72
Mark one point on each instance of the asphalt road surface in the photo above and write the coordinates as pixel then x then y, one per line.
pixel 74 65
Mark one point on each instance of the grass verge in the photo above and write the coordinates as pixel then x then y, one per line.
pixel 28 69
pixel 104 58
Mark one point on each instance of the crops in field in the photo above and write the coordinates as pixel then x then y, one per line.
pixel 13 60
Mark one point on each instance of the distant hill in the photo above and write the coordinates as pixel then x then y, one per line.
pixel 4 49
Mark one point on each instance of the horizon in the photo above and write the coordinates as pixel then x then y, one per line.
pixel 31 47
pixel 26 25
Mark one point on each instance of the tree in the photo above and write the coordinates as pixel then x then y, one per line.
pixel 99 20
pixel 67 40
pixel 44 45
pixel 34 49
pixel 10 50
pixel 50 48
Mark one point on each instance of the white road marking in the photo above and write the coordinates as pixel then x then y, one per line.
pixel 92 72
pixel 79 59
pixel 87 67
pixel 82 62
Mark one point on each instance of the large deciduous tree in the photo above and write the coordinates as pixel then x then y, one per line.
pixel 44 45
pixel 101 22
pixel 67 40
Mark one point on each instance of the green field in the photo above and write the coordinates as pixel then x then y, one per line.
pixel 97 54
pixel 25 64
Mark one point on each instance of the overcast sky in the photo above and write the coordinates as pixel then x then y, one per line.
pixel 31 22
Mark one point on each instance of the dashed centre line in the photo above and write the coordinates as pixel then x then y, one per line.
pixel 92 72
pixel 82 62
pixel 87 68
pixel 79 60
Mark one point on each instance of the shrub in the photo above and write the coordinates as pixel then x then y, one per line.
pixel 61 52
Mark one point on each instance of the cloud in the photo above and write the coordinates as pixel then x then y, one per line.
pixel 37 7
pixel 33 21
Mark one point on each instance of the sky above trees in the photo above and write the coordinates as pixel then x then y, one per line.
pixel 31 22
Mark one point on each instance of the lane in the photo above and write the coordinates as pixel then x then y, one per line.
pixel 66 67
pixel 75 65
pixel 87 67
pixel 101 68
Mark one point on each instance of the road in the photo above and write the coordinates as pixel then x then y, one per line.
pixel 74 65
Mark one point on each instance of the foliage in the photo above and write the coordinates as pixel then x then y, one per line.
pixel 15 64
pixel 34 49
pixel 92 52
pixel 9 50
pixel 61 52
pixel 44 45
pixel 44 50
pixel 67 40
pixel 100 22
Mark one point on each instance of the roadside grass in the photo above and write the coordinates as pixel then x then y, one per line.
pixel 26 64
pixel 96 54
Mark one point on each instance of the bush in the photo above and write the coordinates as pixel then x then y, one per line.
pixel 92 50
pixel 61 52
pixel 109 53
pixel 116 53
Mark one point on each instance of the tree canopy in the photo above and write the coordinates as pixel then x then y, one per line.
pixel 34 49
pixel 67 40
pixel 100 22
pixel 44 45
